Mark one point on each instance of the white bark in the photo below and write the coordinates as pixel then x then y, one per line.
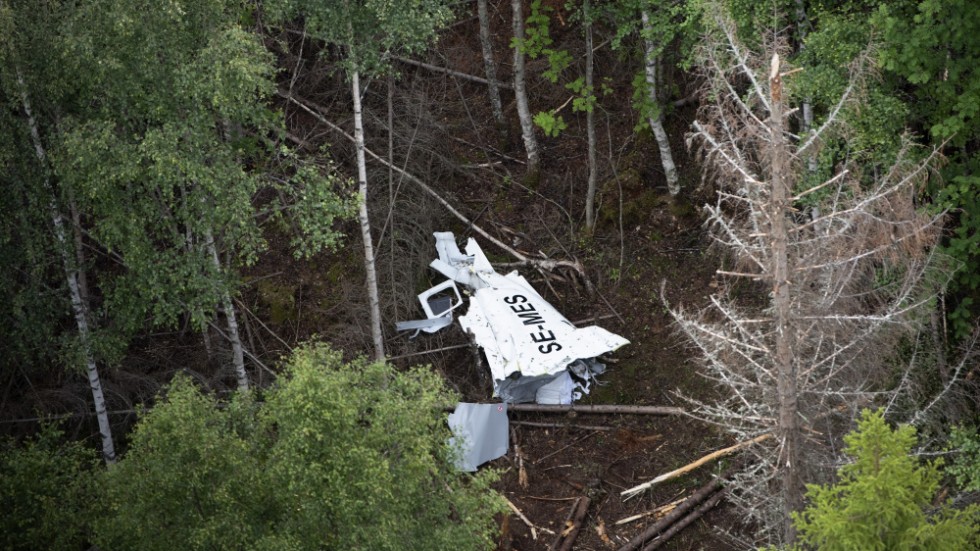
pixel 78 301
pixel 362 212
pixel 590 121
pixel 656 123
pixel 520 92
pixel 234 337
pixel 491 67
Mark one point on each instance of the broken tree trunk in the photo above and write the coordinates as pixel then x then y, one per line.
pixel 691 466
pixel 697 497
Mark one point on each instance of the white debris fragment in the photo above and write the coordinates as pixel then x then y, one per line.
pixel 480 433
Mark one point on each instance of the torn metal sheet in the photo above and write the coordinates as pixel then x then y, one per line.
pixel 534 353
pixel 480 433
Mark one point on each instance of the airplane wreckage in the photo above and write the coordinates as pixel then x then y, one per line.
pixel 534 353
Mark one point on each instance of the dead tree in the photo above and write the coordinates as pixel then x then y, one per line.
pixel 842 265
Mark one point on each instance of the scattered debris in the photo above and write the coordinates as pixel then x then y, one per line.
pixel 534 353
pixel 600 530
pixel 659 512
pixel 480 432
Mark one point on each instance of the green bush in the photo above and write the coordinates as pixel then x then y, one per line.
pixel 46 492
pixel 883 500
pixel 338 456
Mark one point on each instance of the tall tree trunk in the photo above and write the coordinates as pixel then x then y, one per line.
pixel 656 123
pixel 520 91
pixel 369 268
pixel 786 378
pixel 589 120
pixel 490 65
pixel 231 319
pixel 78 299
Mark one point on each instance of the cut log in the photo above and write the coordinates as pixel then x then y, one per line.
pixel 679 512
pixel 694 465
pixel 566 538
pixel 684 522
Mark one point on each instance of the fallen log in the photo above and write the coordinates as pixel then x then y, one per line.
pixel 450 72
pixel 694 465
pixel 602 408
pixel 566 538
pixel 684 522
pixel 697 497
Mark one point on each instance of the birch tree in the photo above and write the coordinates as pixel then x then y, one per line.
pixel 843 284
pixel 657 25
pixel 489 64
pixel 520 91
pixel 368 31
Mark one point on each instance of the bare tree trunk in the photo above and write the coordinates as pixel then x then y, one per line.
pixel 78 299
pixel 491 67
pixel 234 337
pixel 369 268
pixel 520 91
pixel 656 123
pixel 788 429
pixel 589 120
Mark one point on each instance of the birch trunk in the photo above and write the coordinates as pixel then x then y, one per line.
pixel 490 65
pixel 234 337
pixel 520 92
pixel 788 429
pixel 590 121
pixel 362 212
pixel 656 123
pixel 78 299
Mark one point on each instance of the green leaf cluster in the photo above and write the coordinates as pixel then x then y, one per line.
pixel 883 499
pixel 47 490
pixel 338 456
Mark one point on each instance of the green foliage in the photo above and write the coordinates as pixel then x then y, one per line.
pixel 46 493
pixel 339 456
pixel 882 498
pixel 370 29
pixel 551 123
pixel 158 133
pixel 965 467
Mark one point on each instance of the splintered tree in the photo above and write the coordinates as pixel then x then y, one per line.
pixel 845 264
